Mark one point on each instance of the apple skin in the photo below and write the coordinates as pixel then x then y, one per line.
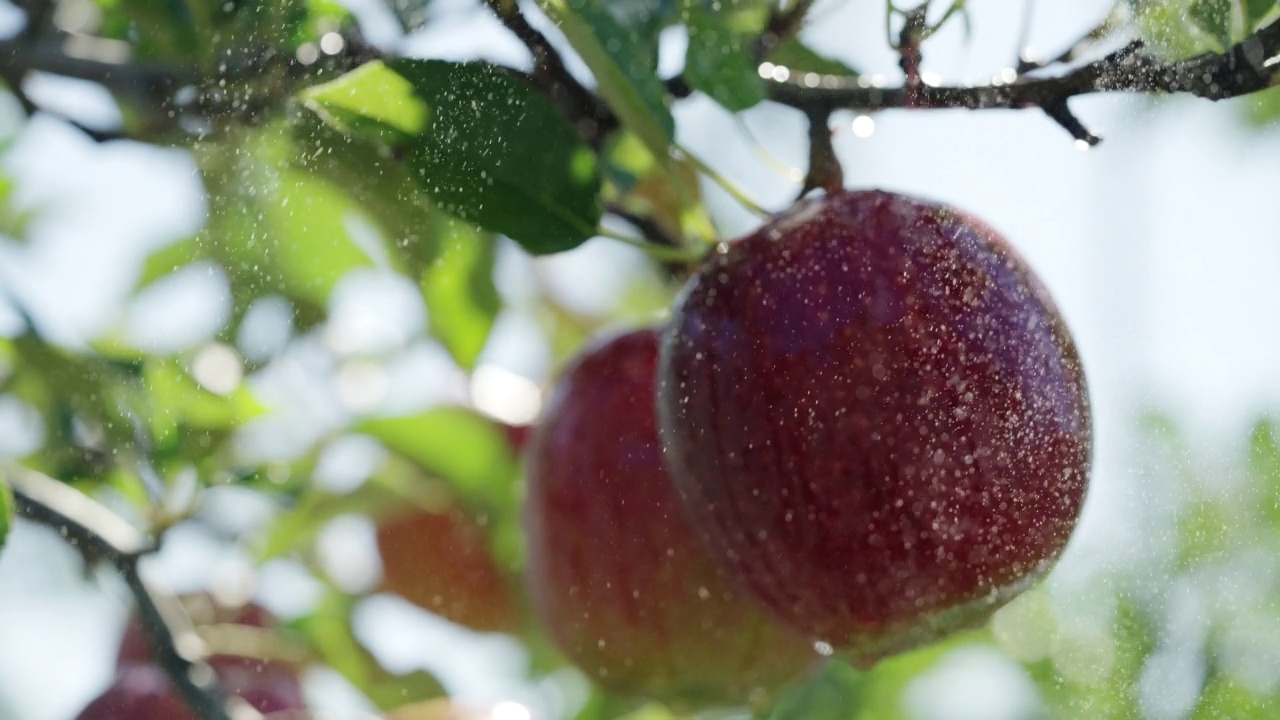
pixel 615 572
pixel 876 418
pixel 440 561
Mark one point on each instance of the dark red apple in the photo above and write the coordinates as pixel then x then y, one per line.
pixel 876 418
pixel 142 692
pixel 616 572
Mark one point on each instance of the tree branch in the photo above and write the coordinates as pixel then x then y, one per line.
pixel 1247 67
pixel 584 108
pixel 99 534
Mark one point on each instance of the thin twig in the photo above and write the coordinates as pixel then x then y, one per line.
pixel 100 534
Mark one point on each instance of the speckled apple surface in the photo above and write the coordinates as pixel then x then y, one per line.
pixel 876 418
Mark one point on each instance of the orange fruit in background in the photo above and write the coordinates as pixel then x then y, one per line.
pixel 440 561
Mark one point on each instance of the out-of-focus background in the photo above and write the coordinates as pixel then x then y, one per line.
pixel 1159 245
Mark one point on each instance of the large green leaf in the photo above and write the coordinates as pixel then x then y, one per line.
pixel 625 69
pixel 718 61
pixel 1256 11
pixel 480 141
pixel 462 301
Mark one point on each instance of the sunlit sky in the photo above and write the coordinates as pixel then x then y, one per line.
pixel 1159 246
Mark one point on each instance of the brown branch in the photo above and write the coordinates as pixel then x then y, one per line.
pixel 1247 67
pixel 99 534
pixel 592 117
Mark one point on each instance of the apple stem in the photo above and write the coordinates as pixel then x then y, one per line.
pixel 825 171
pixel 98 534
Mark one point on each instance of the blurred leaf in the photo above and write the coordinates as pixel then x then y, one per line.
pixel 1203 533
pixel 1255 11
pixel 624 66
pixel 718 61
pixel 157 29
pixel 328 629
pixel 1264 468
pixel 6 512
pixel 1225 699
pixel 455 444
pixel 473 455
pixel 882 686
pixel 462 301
pixel 483 144
pixel 832 693
pixel 169 259
pixel 1213 17
pixel 667 192
pixel 796 56
pixel 177 399
pixel 1168 28
pixel 13 222
pixel 273 227
pixel 379 182
pixel 1263 106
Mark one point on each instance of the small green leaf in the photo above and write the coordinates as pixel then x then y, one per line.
pixel 374 99
pixel 1264 106
pixel 1223 697
pixel 462 301
pixel 1213 17
pixel 718 61
pixel 798 57
pixel 6 512
pixel 624 67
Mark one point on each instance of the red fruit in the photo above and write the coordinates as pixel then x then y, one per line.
pixel 142 691
pixel 440 561
pixel 876 418
pixel 615 570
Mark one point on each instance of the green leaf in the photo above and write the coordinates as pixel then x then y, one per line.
pixel 798 57
pixel 1223 697
pixel 457 445
pixel 328 630
pixel 1213 17
pixel 178 400
pixel 482 143
pixel 623 65
pixel 6 512
pixel 1264 106
pixel 372 99
pixel 274 227
pixel 1257 10
pixel 462 301
pixel 718 61
pixel 383 186
pixel 168 259
pixel 1264 469
pixel 830 694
